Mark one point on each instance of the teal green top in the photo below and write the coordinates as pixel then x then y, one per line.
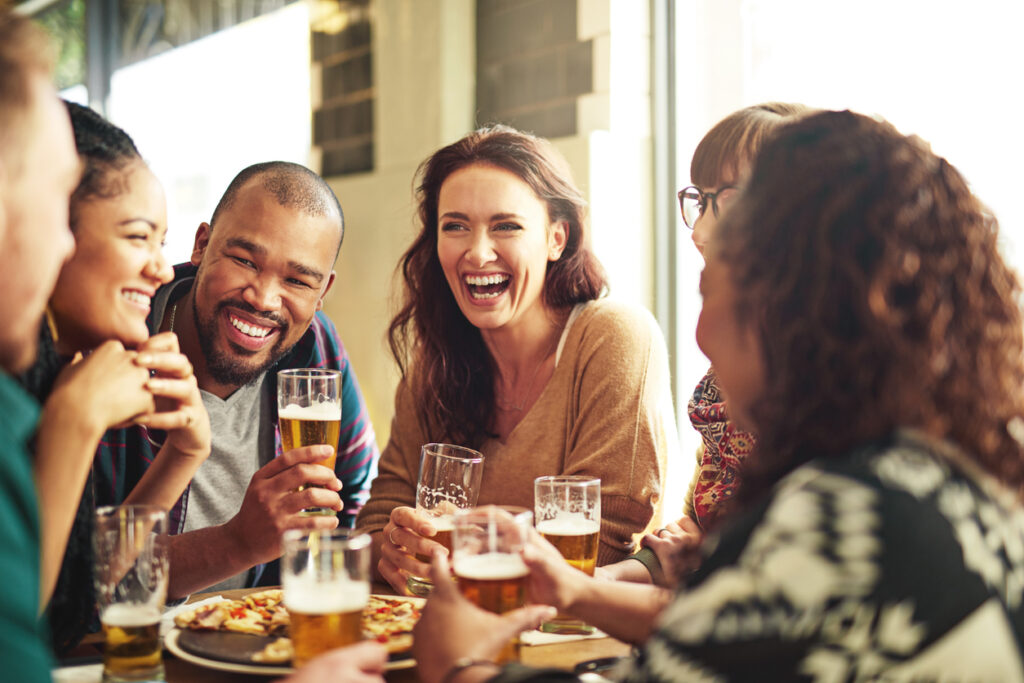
pixel 23 648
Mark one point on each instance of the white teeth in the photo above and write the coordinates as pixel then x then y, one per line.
pixel 249 330
pixel 481 280
pixel 135 297
pixel 489 295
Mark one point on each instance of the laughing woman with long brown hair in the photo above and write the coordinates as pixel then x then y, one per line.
pixel 507 345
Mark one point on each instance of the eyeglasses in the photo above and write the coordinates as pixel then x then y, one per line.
pixel 693 202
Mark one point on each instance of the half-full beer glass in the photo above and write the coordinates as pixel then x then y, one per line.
pixel 326 581
pixel 130 555
pixel 487 542
pixel 568 511
pixel 449 480
pixel 309 413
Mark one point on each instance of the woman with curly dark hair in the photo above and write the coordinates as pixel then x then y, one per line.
pixel 866 328
pixel 506 345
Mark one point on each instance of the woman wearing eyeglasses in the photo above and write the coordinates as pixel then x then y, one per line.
pixel 719 163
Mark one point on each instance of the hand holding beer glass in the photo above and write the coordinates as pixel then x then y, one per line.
pixel 326 581
pixel 568 511
pixel 486 557
pixel 309 413
pixel 449 480
pixel 130 553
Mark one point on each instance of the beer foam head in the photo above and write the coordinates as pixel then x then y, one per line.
pixel 125 615
pixel 443 523
pixel 321 412
pixel 490 566
pixel 307 595
pixel 569 524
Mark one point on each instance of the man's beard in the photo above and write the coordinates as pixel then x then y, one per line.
pixel 225 368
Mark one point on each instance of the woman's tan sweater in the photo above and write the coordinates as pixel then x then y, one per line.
pixel 605 412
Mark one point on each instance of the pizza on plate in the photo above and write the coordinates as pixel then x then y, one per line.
pixel 389 620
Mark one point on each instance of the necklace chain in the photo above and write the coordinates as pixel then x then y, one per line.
pixel 518 407
pixel 174 312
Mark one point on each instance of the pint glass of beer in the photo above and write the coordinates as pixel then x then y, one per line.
pixel 449 480
pixel 309 413
pixel 568 510
pixel 489 569
pixel 326 581
pixel 130 555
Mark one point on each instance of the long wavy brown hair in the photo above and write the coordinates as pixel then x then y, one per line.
pixel 438 351
pixel 874 280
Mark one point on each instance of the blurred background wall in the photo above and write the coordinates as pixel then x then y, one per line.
pixel 363 90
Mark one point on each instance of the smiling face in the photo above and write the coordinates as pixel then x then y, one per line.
pixel 36 181
pixel 104 291
pixel 494 242
pixel 263 272
pixel 729 343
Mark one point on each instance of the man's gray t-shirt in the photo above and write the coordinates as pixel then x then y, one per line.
pixel 243 441
pixel 242 436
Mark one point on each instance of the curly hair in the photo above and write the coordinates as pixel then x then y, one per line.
pixel 452 371
pixel 875 284
pixel 105 151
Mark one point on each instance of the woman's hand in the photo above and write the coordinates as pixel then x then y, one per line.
pixel 105 389
pixel 677 546
pixel 360 663
pixel 179 407
pixel 553 581
pixel 408 533
pixel 453 628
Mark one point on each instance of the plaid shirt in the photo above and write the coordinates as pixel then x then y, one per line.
pixel 124 454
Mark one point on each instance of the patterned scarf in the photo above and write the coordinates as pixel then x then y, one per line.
pixel 725 447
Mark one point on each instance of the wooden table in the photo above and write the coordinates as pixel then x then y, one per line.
pixel 561 655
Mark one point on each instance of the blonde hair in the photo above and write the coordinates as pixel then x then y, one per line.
pixel 24 48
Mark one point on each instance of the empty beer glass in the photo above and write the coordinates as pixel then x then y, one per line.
pixel 326 581
pixel 568 511
pixel 130 555
pixel 486 558
pixel 449 480
pixel 309 413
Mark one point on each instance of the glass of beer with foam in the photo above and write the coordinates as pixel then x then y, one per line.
pixel 568 511
pixel 486 557
pixel 130 577
pixel 309 413
pixel 449 480
pixel 326 581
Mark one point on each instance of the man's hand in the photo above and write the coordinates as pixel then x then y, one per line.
pixel 360 663
pixel 452 627
pixel 273 504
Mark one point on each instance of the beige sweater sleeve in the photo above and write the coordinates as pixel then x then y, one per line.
pixel 624 428
pixel 398 468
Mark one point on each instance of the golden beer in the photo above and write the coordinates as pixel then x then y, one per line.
pixel 131 635
pixel 576 538
pixel 443 525
pixel 311 426
pixel 495 582
pixel 324 616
